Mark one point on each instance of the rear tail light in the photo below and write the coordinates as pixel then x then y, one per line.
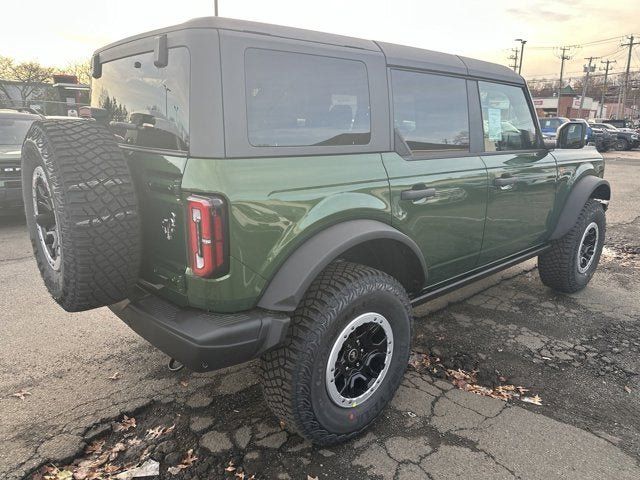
pixel 208 239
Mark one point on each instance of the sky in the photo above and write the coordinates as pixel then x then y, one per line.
pixel 58 33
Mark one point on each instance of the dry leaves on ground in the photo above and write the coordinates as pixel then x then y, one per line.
pixel 115 376
pixel 186 462
pixel 468 381
pixel 158 431
pixel 21 394
pixel 125 424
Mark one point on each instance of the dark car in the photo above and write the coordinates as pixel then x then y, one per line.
pixel 13 128
pixel 625 139
pixel 297 214
pixel 602 138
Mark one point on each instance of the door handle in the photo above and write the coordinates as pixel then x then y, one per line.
pixel 503 182
pixel 417 193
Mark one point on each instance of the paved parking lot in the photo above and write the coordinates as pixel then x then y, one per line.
pixel 80 373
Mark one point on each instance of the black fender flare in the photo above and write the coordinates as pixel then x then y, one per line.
pixel 580 193
pixel 287 287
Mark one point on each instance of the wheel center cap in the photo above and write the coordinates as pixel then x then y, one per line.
pixel 352 356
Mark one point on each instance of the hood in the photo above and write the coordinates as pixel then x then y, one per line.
pixel 10 152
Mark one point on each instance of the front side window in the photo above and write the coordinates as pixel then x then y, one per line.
pixel 430 112
pixel 296 99
pixel 146 106
pixel 506 118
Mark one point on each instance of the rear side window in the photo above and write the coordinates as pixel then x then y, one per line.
pixel 430 112
pixel 296 99
pixel 506 118
pixel 146 106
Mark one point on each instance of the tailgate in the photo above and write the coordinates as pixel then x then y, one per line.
pixel 164 250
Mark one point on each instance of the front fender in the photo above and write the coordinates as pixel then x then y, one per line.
pixel 294 277
pixel 580 193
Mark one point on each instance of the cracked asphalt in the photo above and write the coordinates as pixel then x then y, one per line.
pixel 579 352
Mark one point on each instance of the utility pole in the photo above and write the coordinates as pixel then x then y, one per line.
pixel 563 57
pixel 626 73
pixel 522 42
pixel 588 69
pixel 215 7
pixel 604 86
pixel 514 57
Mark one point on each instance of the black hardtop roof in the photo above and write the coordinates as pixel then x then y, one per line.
pixel 396 55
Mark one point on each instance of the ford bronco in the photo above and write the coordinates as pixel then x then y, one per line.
pixel 255 191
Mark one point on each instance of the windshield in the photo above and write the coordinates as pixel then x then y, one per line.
pixel 12 132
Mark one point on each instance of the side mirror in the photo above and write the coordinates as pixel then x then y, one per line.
pixel 571 135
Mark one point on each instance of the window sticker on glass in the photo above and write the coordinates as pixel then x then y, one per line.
pixel 495 124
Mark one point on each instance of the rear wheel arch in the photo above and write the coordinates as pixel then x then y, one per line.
pixel 368 242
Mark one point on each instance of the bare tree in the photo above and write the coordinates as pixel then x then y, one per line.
pixel 30 75
pixel 82 70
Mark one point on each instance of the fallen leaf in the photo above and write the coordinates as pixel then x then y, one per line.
pixel 309 477
pixel 240 475
pixel 230 467
pixel 160 430
pixel 94 447
pixel 134 442
pixel 184 383
pixel 115 376
pixel 21 394
pixel 125 424
pixel 116 449
pixel 536 400
pixel 186 462
pixel 627 389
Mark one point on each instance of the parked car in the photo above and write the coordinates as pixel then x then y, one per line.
pixel 294 216
pixel 625 140
pixel 13 128
pixel 549 126
pixel 601 138
pixel 621 123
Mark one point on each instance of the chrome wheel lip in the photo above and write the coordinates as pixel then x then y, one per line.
pixel 587 247
pixel 53 252
pixel 336 397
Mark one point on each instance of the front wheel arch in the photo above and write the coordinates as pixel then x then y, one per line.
pixel 586 188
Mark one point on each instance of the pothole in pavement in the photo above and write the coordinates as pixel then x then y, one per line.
pixel 208 436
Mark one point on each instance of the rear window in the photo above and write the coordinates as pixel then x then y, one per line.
pixel 296 99
pixel 146 106
pixel 550 122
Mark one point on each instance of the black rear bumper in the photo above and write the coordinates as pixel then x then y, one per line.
pixel 200 340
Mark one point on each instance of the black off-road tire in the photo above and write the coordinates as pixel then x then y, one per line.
pixel 558 266
pixel 621 145
pixel 95 209
pixel 293 375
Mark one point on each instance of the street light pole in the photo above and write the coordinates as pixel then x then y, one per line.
pixel 522 42
pixel 215 7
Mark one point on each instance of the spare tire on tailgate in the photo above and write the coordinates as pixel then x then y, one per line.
pixel 82 212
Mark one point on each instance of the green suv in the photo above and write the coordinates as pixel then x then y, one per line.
pixel 255 191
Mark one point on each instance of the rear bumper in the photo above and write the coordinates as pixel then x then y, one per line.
pixel 200 340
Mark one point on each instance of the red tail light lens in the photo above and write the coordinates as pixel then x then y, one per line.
pixel 208 244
